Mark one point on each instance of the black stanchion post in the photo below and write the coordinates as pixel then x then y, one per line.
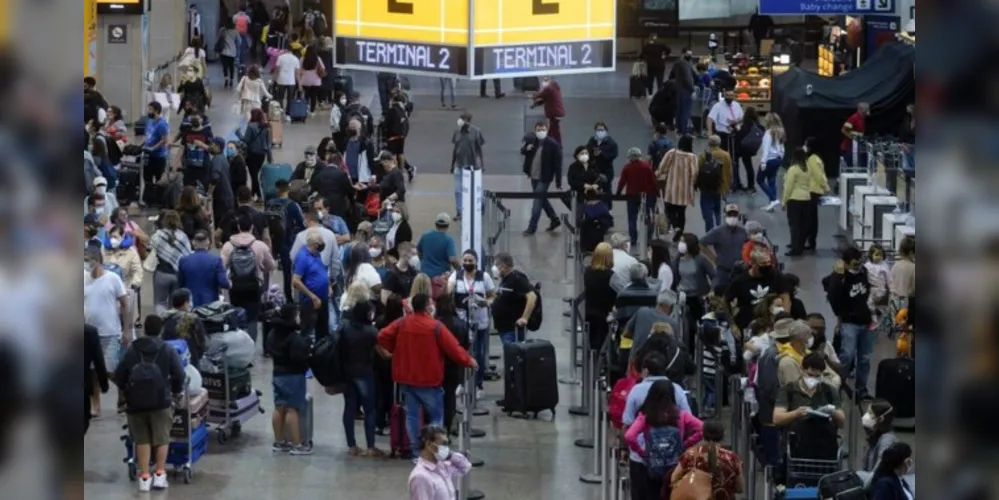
pixel 599 435
pixel 465 490
pixel 585 407
pixel 699 376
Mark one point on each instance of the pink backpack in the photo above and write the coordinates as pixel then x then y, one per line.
pixel 619 399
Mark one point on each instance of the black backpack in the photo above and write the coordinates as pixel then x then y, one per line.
pixel 537 315
pixel 276 212
pixel 243 269
pixel 319 24
pixel 114 152
pixel 709 176
pixel 326 360
pixel 752 141
pixel 147 386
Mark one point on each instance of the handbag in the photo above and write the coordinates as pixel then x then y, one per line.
pixel 151 261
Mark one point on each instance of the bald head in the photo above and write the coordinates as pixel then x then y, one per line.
pixel 714 141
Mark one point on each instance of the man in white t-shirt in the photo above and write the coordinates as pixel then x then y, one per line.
pixel 724 118
pixel 288 69
pixel 105 307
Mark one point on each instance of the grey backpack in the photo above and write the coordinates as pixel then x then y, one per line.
pixel 243 269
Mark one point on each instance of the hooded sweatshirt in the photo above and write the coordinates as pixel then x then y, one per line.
pixel 288 349
pixel 261 252
pixel 166 357
pixel 127 258
pixel 848 294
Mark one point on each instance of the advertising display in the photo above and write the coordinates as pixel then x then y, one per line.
pixel 826 7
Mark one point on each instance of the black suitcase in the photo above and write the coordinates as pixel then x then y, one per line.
pixel 897 383
pixel 636 87
pixel 240 385
pixel 531 380
pixel 129 183
pixel 843 485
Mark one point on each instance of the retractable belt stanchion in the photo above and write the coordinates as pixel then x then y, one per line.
pixel 599 408
pixel 572 306
pixel 642 225
pixel 855 423
pixel 465 491
pixel 699 376
pixel 736 428
pixel 586 404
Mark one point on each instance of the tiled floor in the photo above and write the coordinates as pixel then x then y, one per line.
pixel 528 460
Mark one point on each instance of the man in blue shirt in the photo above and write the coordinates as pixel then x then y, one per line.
pixel 202 272
pixel 311 278
pixel 654 368
pixel 331 221
pixel 157 149
pixel 438 254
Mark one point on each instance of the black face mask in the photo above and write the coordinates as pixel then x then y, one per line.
pixel 469 267
pixel 766 271
pixel 688 57
pixel 728 100
pixel 321 247
pixel 151 116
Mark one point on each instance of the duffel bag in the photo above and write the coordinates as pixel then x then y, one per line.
pixel 239 348
pixel 221 316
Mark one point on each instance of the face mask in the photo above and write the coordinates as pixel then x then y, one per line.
pixel 681 247
pixel 877 258
pixel 115 242
pixel 495 272
pixel 469 267
pixel 731 221
pixel 396 217
pixel 600 134
pixel 310 160
pixel 777 310
pixel 151 116
pixel 804 148
pixel 909 464
pixel 869 421
pixel 808 343
pixel 541 134
pixel 812 382
pixel 414 262
pixel 100 189
pixel 544 83
pixel 230 152
pixel 443 451
pixel 758 237
pixel 321 247
pixel 343 102
pixel 375 252
pixel 99 210
pixel 321 214
pixel 766 270
pixel 855 270
pixel 583 158
pixel 748 355
pixel 728 100
pixel 461 123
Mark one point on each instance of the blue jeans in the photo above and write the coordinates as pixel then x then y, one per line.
pixel 766 177
pixel 711 207
pixel 770 443
pixel 856 349
pixel 480 348
pixel 431 399
pixel 243 48
pixel 511 337
pixel 633 205
pixel 360 390
pixel 684 103
pixel 457 191
pixel 540 188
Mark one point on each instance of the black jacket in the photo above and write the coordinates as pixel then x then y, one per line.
pixel 334 185
pixel 288 349
pixel 551 159
pixel 847 294
pixel 238 173
pixel 166 358
pixel 578 176
pixel 654 54
pixel 300 169
pixel 454 373
pixel 358 340
pixel 608 153
pixel 396 122
pixel 888 487
pixel 93 363
pixel 356 108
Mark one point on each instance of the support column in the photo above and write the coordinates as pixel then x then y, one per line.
pixel 120 62
pixel 167 30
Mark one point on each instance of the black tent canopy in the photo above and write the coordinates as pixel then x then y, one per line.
pixel 816 106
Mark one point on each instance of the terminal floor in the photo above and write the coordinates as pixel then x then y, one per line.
pixel 533 459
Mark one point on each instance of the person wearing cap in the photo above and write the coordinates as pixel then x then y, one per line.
pixel 711 196
pixel 310 164
pixel 219 180
pixel 437 250
pixel 638 179
pixel 202 272
pixel 724 245
pixel 756 238
pixel 107 202
pixel 468 141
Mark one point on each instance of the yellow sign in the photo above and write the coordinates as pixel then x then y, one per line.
pixel 516 22
pixel 440 22
pixel 89 38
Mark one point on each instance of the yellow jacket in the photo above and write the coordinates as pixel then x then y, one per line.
pixel 817 181
pixel 796 185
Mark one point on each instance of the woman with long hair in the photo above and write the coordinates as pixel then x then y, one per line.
pixel 170 243
pixel 252 91
pixel 661 263
pixel 797 202
pixel 750 120
pixel 818 186
pixel 193 217
pixel 359 338
pixel 694 274
pixel 421 284
pixel 257 138
pixel 724 466
pixel 360 270
pixel 311 77
pixel 771 157
pixel 384 386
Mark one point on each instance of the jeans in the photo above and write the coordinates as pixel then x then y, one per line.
pixel 770 443
pixel 480 347
pixel 541 189
pixel 243 48
pixel 164 285
pixel 514 336
pixel 457 191
pixel 447 84
pixel 228 67
pixel 314 320
pixel 711 207
pixel 361 391
pixel 250 302
pixel 429 398
pixel 684 103
pixel 767 178
pixel 677 217
pixel 856 349
pixel 633 204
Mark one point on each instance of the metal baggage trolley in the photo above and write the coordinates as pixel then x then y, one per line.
pixel 227 415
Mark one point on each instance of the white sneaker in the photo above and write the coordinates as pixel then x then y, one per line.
pixel 459 391
pixel 771 206
pixel 479 394
pixel 145 484
pixel 160 482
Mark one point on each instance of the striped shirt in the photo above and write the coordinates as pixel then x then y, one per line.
pixel 169 252
pixel 678 170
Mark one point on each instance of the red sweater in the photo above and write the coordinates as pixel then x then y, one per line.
pixel 637 177
pixel 418 351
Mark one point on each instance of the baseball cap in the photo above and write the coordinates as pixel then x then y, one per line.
pixel 731 208
pixel 310 150
pixel 443 219
pixel 100 181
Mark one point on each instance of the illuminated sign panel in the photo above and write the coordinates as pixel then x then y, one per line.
pixel 411 36
pixel 120 6
pixel 569 57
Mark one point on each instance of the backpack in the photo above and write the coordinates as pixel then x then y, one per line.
pixel 147 385
pixel 114 152
pixel 709 177
pixel 537 316
pixel 663 446
pixel 319 26
pixel 659 150
pixel 619 399
pixel 276 212
pixel 353 111
pixel 326 360
pixel 243 269
pixel 767 383
pixel 752 141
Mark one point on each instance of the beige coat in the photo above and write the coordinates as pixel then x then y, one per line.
pixel 129 262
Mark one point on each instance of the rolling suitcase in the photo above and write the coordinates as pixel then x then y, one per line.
pixel 298 109
pixel 398 437
pixel 843 485
pixel 896 383
pixel 306 421
pixel 129 184
pixel 531 380
pixel 636 87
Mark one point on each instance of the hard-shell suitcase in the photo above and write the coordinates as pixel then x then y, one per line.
pixel 129 182
pixel 843 485
pixel 306 421
pixel 531 380
pixel 636 87
pixel 240 410
pixel 277 133
pixel 298 109
pixel 800 493
pixel 897 383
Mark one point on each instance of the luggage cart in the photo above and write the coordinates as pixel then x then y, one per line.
pixel 806 472
pixel 227 415
pixel 183 452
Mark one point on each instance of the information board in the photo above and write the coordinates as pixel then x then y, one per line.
pixel 120 6
pixel 410 36
pixel 826 7
pixel 536 37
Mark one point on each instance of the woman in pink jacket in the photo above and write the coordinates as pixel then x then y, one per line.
pixel 660 411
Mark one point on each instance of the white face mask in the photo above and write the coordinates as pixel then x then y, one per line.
pixel 311 160
pixel 584 158
pixel 544 83
pixel 443 451
pixel 495 272
pixel 100 189
pixel 541 134
pixel 812 382
pixel 748 355
pixel 461 123
pixel 115 242
pixel 731 221
pixel 869 421
pixel 681 247
pixel 810 342
pixel 758 237
pixel 321 214
pixel 414 262
pixel 396 217
pixel 375 252
pixel 776 310
pixel 343 102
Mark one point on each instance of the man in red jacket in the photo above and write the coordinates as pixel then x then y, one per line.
pixel 550 96
pixel 638 179
pixel 418 344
